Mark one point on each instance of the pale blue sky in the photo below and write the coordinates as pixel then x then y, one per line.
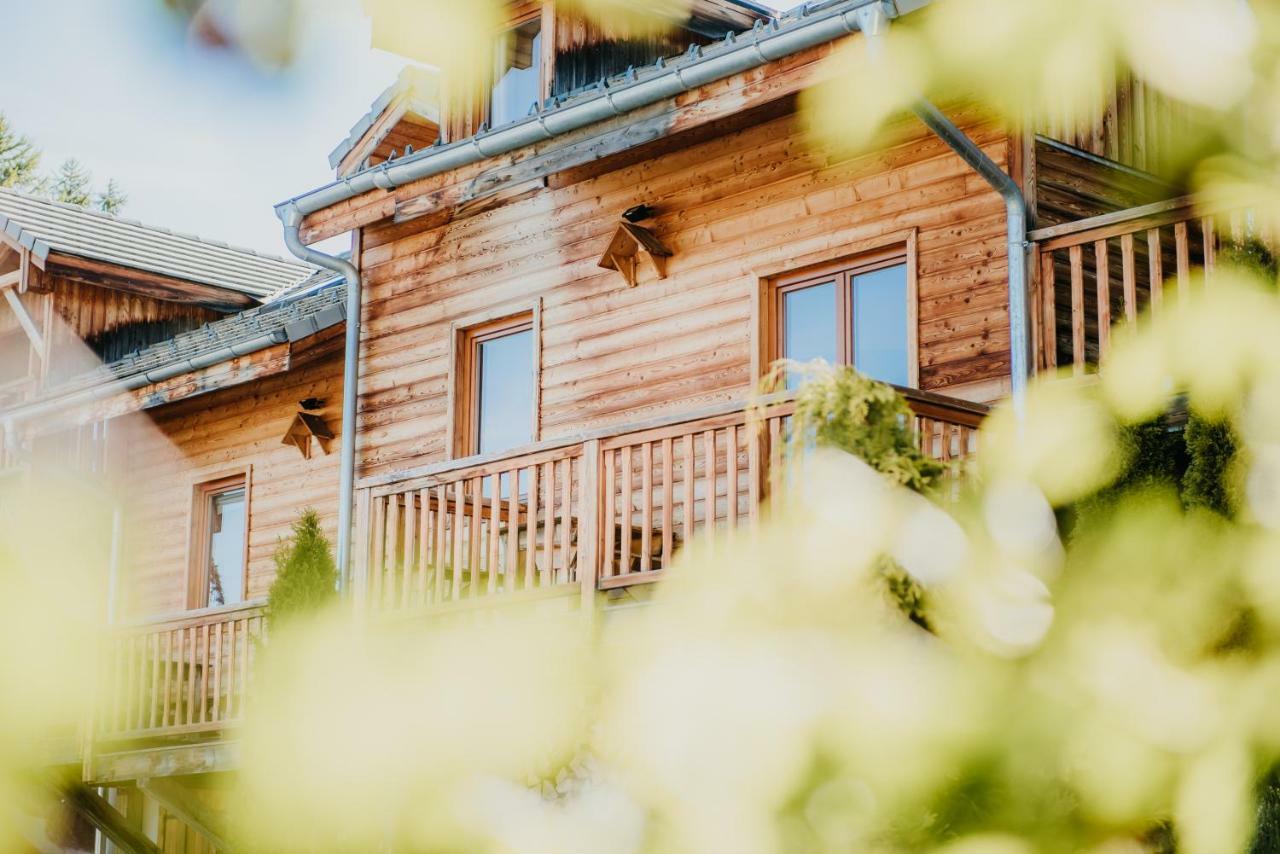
pixel 200 140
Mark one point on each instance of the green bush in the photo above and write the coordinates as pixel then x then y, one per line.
pixel 842 408
pixel 306 574
pixel 1207 483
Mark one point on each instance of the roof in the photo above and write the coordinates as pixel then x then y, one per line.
pixel 614 95
pixel 420 85
pixel 45 227
pixel 223 339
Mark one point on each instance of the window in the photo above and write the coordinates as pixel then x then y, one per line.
pixel 498 383
pixel 856 314
pixel 220 527
pixel 517 78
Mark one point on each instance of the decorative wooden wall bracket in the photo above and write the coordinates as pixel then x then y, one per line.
pixel 630 242
pixel 305 428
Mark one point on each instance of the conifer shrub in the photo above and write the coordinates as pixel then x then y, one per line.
pixel 839 407
pixel 1208 482
pixel 306 574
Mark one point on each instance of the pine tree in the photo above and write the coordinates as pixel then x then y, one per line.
pixel 112 199
pixel 19 159
pixel 306 574
pixel 71 184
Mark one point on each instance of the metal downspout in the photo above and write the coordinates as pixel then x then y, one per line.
pixel 291 217
pixel 874 22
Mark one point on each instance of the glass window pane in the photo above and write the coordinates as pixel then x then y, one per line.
pixel 505 376
pixel 880 324
pixel 226 547
pixel 516 73
pixel 809 324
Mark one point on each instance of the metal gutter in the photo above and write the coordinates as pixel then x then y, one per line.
pixel 291 217
pixel 874 23
pixel 812 25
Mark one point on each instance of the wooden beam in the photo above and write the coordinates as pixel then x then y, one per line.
pixel 25 320
pixel 149 284
pixel 171 795
pixel 106 818
pixel 10 280
pixel 128 766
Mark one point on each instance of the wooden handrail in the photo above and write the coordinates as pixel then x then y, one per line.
pixel 926 403
pixel 193 617
pixel 1085 231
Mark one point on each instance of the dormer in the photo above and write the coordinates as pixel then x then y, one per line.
pixel 539 52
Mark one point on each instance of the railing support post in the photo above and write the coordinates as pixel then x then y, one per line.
pixel 359 582
pixel 589 526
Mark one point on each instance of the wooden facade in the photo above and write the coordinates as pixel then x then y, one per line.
pixel 641 378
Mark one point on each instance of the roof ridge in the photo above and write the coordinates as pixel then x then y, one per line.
pixel 9 191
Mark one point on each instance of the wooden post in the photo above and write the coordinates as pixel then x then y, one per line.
pixel 358 585
pixel 589 527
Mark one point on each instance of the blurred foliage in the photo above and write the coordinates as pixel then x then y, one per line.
pixel 306 576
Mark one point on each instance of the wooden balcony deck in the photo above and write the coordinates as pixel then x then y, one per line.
pixel 1101 272
pixel 603 510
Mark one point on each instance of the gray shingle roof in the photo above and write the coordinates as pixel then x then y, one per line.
pixel 45 226
pixel 278 321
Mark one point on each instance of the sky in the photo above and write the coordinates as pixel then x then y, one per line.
pixel 200 139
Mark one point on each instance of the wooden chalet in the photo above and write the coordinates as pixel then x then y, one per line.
pixel 557 342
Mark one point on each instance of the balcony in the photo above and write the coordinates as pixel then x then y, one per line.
pixel 603 511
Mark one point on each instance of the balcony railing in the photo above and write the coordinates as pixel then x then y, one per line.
pixel 604 510
pixel 181 675
pixel 1104 271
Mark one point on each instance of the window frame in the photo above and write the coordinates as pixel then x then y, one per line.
pixel 772 311
pixel 203 492
pixel 464 400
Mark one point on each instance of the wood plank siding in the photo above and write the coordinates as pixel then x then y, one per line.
pixel 752 203
pixel 235 429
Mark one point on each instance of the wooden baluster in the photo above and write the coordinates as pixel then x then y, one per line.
pixel 442 541
pixel 192 672
pixel 1129 276
pixel 1155 263
pixel 775 460
pixel 154 696
pixel 753 473
pixel 379 540
pixel 668 497
pixel 1049 311
pixel 588 531
pixel 625 533
pixel 244 665
pixel 1102 265
pixel 646 507
pixel 204 673
pixel 513 530
pixel 408 571
pixel 548 527
pixel 1183 252
pixel 179 664
pixel 608 517
pixel 531 530
pixel 130 659
pixel 1210 237
pixel 475 550
pixel 217 670
pixel 458 520
pixel 392 553
pixel 1076 256
pixel 231 668
pixel 424 543
pixel 566 520
pixel 495 527
pixel 731 476
pixel 687 493
pixel 709 503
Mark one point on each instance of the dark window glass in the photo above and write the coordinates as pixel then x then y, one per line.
pixel 226 547
pixel 516 76
pixel 880 324
pixel 504 374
